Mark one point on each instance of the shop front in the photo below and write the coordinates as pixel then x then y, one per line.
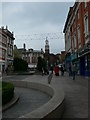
pixel 85 62
pixel 2 66
pixel 67 61
pixel 75 60
pixel 10 64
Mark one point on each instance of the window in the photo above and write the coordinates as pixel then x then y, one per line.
pixel 75 39
pixel 79 36
pixel 86 25
pixel 78 14
pixel 74 23
pixel 3 54
pixel 85 3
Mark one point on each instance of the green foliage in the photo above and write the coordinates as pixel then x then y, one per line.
pixel 41 63
pixel 7 92
pixel 17 54
pixel 20 65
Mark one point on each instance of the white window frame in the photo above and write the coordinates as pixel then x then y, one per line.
pixel 86 29
pixel 79 36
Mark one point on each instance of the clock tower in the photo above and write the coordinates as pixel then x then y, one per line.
pixel 46 46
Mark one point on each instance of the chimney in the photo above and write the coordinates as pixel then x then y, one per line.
pixel 6 27
pixel 41 50
pixel 2 27
pixel 24 45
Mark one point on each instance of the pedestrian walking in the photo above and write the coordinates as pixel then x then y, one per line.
pixel 62 71
pixel 73 71
pixel 52 68
pixel 70 71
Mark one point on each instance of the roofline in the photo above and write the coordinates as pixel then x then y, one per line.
pixel 68 17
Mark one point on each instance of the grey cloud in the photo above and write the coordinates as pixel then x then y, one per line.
pixel 29 17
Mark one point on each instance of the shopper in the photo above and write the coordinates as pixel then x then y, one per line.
pixel 70 71
pixel 73 71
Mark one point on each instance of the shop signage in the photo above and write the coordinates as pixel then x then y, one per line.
pixel 86 49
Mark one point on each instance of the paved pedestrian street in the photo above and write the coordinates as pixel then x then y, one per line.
pixel 29 100
pixel 76 92
pixel 76 96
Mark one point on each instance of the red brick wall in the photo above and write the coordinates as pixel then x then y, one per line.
pixel 89 17
pixel 82 12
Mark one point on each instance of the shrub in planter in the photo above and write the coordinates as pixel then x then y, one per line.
pixel 7 92
pixel 20 65
pixel 41 63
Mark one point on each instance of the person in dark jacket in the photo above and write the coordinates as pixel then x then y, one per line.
pixel 73 71
pixel 70 70
pixel 52 68
pixel 62 71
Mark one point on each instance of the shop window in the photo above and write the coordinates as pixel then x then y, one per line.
pixel 86 63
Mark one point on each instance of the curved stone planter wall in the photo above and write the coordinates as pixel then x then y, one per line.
pixel 53 108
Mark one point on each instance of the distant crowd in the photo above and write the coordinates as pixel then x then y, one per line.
pixel 55 69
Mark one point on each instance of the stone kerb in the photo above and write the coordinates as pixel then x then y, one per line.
pixel 53 108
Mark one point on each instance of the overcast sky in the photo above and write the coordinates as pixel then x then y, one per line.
pixel 32 22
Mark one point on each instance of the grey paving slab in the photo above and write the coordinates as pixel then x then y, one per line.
pixel 76 95
pixel 30 99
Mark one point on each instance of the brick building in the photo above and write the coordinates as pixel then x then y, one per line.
pixel 6 48
pixel 3 49
pixel 10 46
pixel 77 37
pixel 30 55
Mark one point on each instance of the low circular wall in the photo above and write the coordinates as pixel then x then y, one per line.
pixel 53 108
